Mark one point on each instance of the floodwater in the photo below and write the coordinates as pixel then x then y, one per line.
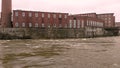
pixel 61 53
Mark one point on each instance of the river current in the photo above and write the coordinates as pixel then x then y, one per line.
pixel 61 53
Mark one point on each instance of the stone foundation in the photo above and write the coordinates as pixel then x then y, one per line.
pixel 41 33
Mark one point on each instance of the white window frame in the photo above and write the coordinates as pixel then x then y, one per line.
pixel 36 25
pixel 36 14
pixel 48 15
pixel 60 15
pixel 30 24
pixel 48 25
pixel 23 14
pixel 82 23
pixel 16 13
pixel 60 25
pixel 43 15
pixel 23 24
pixel 78 24
pixel 54 15
pixel 43 25
pixel 65 25
pixel 30 14
pixel 74 23
pixel 70 23
pixel 65 16
pixel 55 25
pixel 16 24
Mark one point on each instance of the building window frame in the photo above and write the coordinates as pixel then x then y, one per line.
pixel 16 24
pixel 70 23
pixel 43 15
pixel 54 16
pixel 49 15
pixel 60 15
pixel 16 13
pixel 36 25
pixel 30 14
pixel 23 24
pixel 65 16
pixel 23 14
pixel 36 14
pixel 30 24
pixel 43 25
pixel 78 24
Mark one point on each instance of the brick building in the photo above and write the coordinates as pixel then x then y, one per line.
pixel 34 19
pixel 30 19
pixel 117 24
pixel 93 15
pixel 92 26
pixel 108 18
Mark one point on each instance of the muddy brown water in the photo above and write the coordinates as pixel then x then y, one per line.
pixel 61 53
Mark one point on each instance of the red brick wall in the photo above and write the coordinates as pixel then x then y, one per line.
pixel 109 19
pixel 86 19
pixel 33 19
pixel 6 13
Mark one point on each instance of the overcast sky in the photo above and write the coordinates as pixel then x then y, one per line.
pixel 70 6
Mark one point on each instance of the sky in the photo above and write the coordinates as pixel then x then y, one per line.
pixel 70 6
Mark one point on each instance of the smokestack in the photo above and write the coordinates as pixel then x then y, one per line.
pixel 6 13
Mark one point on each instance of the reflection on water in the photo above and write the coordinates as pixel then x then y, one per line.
pixel 68 53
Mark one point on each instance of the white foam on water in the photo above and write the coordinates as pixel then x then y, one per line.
pixel 27 44
pixel 115 64
pixel 84 39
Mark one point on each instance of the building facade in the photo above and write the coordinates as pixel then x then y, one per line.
pixel 108 18
pixel 31 19
pixel 117 24
pixel 91 26
pixel 93 15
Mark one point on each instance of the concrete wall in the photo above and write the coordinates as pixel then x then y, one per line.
pixel 38 33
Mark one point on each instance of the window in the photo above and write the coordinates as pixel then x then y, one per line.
pixel 74 23
pixel 36 14
pixel 87 22
pixel 65 16
pixel 30 24
pixel 109 22
pixel 30 14
pixel 70 23
pixel 48 25
pixel 36 24
pixel 109 18
pixel 105 18
pixel 23 24
pixel 54 25
pixel 82 24
pixel 60 25
pixel 43 25
pixel 60 16
pixel 43 15
pixel 23 14
pixel 54 15
pixel 48 15
pixel 78 25
pixel 65 25
pixel 16 13
pixel 16 24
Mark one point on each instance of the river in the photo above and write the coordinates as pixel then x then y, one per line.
pixel 61 53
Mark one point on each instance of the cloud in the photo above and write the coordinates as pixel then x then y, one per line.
pixel 70 6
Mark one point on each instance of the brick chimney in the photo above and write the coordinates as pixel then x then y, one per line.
pixel 6 14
